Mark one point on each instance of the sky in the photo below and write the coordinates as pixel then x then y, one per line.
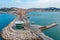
pixel 29 3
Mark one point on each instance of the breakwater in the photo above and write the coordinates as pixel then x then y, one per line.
pixel 9 33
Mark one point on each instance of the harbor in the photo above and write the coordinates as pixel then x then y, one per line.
pixel 26 33
pixel 29 20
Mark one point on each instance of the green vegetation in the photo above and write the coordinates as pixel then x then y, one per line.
pixel 7 9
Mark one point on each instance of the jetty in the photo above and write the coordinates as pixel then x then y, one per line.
pixel 27 33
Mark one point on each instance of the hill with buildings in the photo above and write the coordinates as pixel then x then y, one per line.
pixel 45 9
pixel 18 10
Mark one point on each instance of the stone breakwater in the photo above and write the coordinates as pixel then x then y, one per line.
pixel 24 34
pixel 11 34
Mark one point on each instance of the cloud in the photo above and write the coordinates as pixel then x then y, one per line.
pixel 17 1
pixel 30 3
pixel 43 4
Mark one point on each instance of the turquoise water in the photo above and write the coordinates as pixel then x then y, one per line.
pixel 40 18
pixel 46 18
pixel 5 19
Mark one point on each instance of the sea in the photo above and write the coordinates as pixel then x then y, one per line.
pixel 5 19
pixel 39 18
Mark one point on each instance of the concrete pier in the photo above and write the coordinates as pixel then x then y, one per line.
pixel 51 25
